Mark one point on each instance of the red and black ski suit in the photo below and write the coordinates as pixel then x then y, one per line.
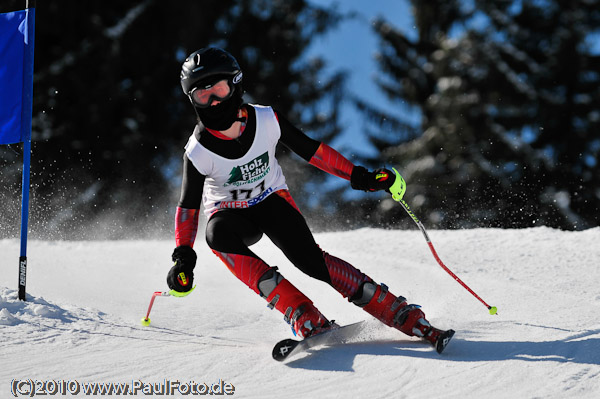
pixel 230 232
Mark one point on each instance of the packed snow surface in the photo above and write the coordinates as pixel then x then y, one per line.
pixel 81 320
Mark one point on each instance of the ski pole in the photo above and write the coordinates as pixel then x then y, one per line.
pixel 146 320
pixel 398 189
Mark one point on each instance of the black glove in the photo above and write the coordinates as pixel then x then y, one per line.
pixel 380 179
pixel 181 275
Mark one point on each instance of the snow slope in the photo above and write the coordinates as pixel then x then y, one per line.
pixel 82 318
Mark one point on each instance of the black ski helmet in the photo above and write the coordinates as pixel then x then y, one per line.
pixel 205 66
pixel 208 63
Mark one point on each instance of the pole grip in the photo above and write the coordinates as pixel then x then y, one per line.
pixel 399 187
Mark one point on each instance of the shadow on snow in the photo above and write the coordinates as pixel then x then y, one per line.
pixel 580 348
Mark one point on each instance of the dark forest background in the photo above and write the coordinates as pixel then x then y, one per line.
pixel 506 94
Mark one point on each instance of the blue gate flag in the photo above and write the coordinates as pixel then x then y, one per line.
pixel 17 33
pixel 16 76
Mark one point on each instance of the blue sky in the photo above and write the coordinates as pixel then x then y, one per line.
pixel 352 46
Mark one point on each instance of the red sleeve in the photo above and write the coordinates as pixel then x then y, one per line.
pixel 186 226
pixel 331 161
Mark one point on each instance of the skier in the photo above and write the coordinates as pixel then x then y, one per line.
pixel 229 165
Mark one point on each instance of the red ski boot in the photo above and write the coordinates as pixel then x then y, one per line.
pixel 395 312
pixel 307 320
pixel 310 321
pixel 297 309
pixel 266 281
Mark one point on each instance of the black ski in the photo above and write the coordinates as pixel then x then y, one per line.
pixel 287 348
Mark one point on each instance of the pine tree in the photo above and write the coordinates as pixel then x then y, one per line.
pixel 507 94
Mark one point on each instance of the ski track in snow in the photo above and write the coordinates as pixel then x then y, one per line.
pixel 86 299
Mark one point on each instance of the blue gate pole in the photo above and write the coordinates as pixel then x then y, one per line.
pixel 26 138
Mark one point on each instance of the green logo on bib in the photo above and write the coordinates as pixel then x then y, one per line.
pixel 250 172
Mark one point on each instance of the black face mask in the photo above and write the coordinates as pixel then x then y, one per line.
pixel 223 115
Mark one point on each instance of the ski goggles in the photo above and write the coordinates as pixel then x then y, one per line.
pixel 219 91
